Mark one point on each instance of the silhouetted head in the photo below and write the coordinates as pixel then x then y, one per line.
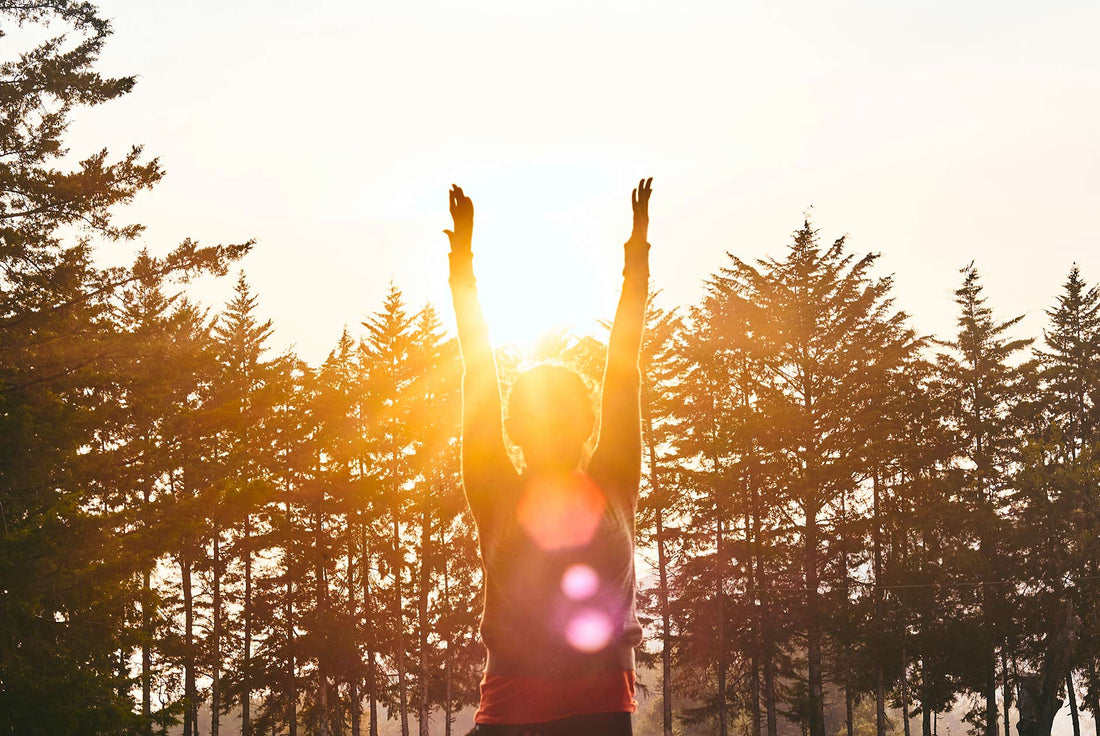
pixel 550 416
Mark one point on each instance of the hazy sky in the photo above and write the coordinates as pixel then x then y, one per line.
pixel 932 132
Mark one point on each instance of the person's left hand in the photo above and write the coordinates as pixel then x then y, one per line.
pixel 639 202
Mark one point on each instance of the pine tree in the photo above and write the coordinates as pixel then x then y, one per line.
pixel 136 433
pixel 434 410
pixel 1067 502
pixel 283 596
pixel 917 548
pixel 320 607
pixel 659 499
pixel 815 320
pixel 987 389
pixel 188 431
pixel 343 422
pixel 244 393
pixel 389 348
pixel 69 600
pixel 707 452
pixel 1071 363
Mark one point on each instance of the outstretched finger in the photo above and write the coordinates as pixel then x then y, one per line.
pixel 634 199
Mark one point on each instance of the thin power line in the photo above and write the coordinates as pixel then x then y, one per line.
pixel 904 586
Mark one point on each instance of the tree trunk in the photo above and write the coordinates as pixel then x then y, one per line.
pixel 322 686
pixel 926 686
pixel 216 635
pixel 1039 703
pixel 190 711
pixel 422 615
pixel 448 716
pixel 146 647
pixel 356 709
pixel 319 570
pixel 146 637
pixel 662 571
pixel 666 628
pixel 904 689
pixel 122 670
pixel 929 550
pixel 770 699
pixel 813 628
pixel 292 669
pixel 369 639
pixel 766 644
pixel 846 669
pixel 985 547
pixel 990 666
pixel 399 628
pixel 754 693
pixel 1071 696
pixel 353 675
pixel 1006 691
pixel 246 674
pixel 880 682
pixel 754 618
pixel 723 719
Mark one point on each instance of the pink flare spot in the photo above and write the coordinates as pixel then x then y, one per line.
pixel 580 582
pixel 561 513
pixel 589 631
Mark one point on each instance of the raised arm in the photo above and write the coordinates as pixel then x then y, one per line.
pixel 484 456
pixel 619 449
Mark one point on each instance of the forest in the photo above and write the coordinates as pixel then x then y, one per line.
pixel 839 515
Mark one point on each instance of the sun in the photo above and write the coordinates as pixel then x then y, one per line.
pixel 533 289
pixel 547 243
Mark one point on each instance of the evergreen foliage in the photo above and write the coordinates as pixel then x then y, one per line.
pixel 839 518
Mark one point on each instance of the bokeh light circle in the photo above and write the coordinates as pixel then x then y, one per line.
pixel 561 513
pixel 589 631
pixel 579 582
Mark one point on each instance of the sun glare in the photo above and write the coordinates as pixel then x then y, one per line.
pixel 526 297
pixel 544 261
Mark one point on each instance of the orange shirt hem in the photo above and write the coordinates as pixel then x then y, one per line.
pixel 511 700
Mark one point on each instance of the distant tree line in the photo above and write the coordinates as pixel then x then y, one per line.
pixel 836 510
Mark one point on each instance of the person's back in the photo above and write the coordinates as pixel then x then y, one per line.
pixel 557 542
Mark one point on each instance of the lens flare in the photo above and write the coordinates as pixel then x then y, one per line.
pixel 561 513
pixel 579 582
pixel 589 631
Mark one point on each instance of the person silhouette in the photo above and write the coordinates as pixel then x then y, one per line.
pixel 557 538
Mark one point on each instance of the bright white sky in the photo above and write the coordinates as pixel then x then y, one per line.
pixel 932 132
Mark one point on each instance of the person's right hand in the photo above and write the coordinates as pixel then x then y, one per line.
pixel 462 212
pixel 639 202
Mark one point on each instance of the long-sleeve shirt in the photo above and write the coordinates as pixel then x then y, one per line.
pixel 558 554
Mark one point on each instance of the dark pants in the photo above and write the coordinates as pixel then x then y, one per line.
pixel 593 724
